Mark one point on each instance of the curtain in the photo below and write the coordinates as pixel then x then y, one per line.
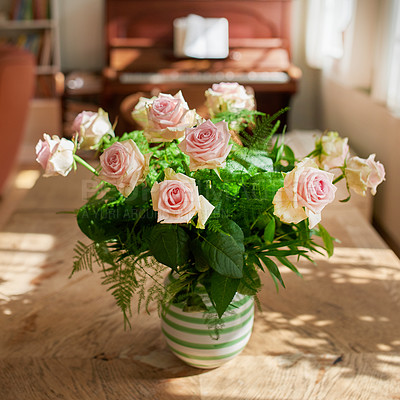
pixel 357 43
pixel 327 22
pixel 393 82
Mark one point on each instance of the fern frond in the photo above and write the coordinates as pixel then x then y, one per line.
pixel 84 257
pixel 214 225
pixel 263 131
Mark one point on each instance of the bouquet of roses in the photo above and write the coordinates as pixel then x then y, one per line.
pixel 214 201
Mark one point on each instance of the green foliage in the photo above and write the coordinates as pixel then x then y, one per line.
pixel 253 160
pixel 137 136
pixel 242 239
pixel 123 276
pixel 282 156
pixel 263 131
pixel 223 253
pixel 250 284
pixel 269 231
pixel 169 244
pixel 255 129
pixel 242 118
pixel 222 291
pixel 327 239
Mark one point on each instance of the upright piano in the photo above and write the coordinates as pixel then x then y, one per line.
pixel 140 55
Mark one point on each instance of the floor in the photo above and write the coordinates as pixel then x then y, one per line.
pixel 24 178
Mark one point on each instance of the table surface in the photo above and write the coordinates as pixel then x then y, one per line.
pixel 333 334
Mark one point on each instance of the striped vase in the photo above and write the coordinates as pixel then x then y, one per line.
pixel 191 338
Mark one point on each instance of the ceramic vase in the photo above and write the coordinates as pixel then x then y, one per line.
pixel 193 337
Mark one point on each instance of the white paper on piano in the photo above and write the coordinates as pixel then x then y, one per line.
pixel 199 37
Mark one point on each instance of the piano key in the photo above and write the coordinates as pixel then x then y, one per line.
pixel 204 77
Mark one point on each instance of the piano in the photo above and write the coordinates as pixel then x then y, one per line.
pixel 140 54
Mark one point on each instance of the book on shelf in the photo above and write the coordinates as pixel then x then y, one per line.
pixel 30 9
pixel 41 9
pixel 22 10
pixel 45 49
pixel 32 42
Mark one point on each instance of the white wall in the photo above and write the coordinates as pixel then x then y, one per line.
pixel 81 34
pixel 370 129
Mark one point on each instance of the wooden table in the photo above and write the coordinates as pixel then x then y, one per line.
pixel 335 334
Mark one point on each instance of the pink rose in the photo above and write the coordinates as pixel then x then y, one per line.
pixel 228 96
pixel 362 174
pixel 91 127
pixel 177 200
pixel 167 117
pixel 307 190
pixel 207 145
pixel 334 151
pixel 228 88
pixel 166 111
pixel 124 166
pixel 84 115
pixel 55 155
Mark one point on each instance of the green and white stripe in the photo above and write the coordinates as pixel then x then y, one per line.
pixel 188 333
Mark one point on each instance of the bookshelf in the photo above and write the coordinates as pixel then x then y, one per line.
pixel 33 25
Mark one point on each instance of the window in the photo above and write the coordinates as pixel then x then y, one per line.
pixel 357 43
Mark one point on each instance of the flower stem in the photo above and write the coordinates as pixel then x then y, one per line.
pixel 85 164
pixel 339 178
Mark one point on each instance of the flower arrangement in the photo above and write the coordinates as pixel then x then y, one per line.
pixel 215 201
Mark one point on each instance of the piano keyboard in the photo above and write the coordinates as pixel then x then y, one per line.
pixel 204 77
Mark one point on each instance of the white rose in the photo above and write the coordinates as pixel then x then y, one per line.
pixel 228 96
pixel 362 174
pixel 139 113
pixel 165 117
pixel 334 151
pixel 91 127
pixel 55 155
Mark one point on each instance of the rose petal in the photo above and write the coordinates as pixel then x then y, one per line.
pixel 205 210
pixel 285 209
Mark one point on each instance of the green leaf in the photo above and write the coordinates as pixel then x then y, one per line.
pixel 194 303
pixel 288 264
pixel 223 254
pixel 222 290
pixel 233 229
pixel 186 168
pixel 104 253
pixel 250 283
pixel 100 222
pixel 289 155
pixel 269 231
pixel 279 153
pixel 140 196
pixel 272 267
pixel 233 166
pixel 256 195
pixel 257 158
pixel 169 245
pixel 328 240
pixel 263 187
pixel 200 261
